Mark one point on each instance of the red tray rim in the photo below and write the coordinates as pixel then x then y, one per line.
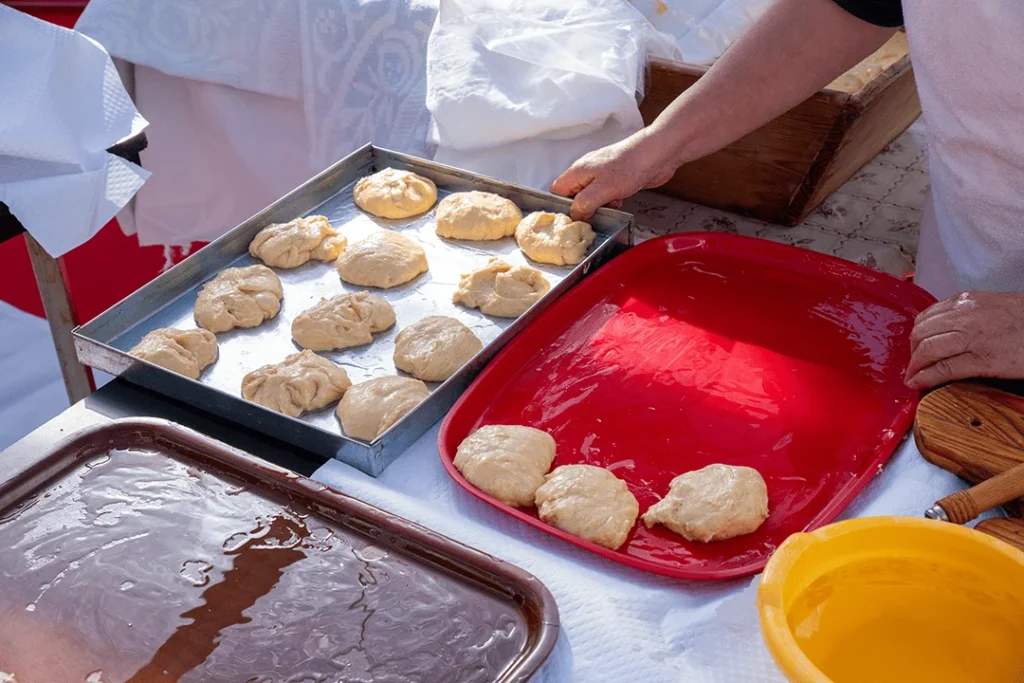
pixel 899 292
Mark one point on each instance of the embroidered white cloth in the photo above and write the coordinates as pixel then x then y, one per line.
pixel 248 99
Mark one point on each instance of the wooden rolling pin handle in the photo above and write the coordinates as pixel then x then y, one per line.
pixel 963 506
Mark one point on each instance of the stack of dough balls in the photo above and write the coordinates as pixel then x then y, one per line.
pixel 554 238
pixel 501 290
pixel 289 245
pixel 715 503
pixel 239 297
pixel 186 352
pixel 434 348
pixel 477 216
pixel 391 193
pixel 369 408
pixel 342 321
pixel 385 259
pixel 506 461
pixel 300 383
pixel 589 502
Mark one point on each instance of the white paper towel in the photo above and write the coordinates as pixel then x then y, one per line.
pixel 519 89
pixel 63 105
pixel 619 624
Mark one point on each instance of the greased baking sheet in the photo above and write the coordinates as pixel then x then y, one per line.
pixel 168 302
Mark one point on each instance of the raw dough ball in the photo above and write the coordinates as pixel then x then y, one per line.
pixel 434 348
pixel 186 352
pixel 239 297
pixel 301 382
pixel 554 238
pixel 370 407
pixel 507 461
pixel 589 502
pixel 391 193
pixel 287 245
pixel 384 259
pixel 477 216
pixel 501 290
pixel 712 504
pixel 342 321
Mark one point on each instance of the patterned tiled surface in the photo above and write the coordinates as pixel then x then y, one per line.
pixel 873 219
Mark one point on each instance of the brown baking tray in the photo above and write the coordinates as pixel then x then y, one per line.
pixel 140 551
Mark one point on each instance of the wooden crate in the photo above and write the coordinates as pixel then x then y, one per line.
pixel 784 170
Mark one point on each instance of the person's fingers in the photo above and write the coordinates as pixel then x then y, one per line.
pixel 570 183
pixel 937 308
pixel 933 349
pixel 964 366
pixel 590 199
pixel 940 322
pixel 617 204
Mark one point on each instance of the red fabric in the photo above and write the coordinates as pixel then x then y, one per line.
pixel 101 272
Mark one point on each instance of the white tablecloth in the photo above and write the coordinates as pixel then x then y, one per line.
pixel 620 625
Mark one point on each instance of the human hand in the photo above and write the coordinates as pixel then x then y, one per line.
pixel 608 175
pixel 974 334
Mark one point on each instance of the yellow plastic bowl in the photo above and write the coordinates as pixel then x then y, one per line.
pixel 895 600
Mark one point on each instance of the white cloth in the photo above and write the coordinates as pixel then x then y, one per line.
pixel 702 29
pixel 968 63
pixel 62 106
pixel 619 624
pixel 31 387
pixel 252 97
pixel 520 89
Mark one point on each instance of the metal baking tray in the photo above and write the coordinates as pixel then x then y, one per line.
pixel 169 299
pixel 140 551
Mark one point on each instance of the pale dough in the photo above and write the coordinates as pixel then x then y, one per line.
pixel 477 216
pixel 301 382
pixel 186 352
pixel 554 238
pixel 391 193
pixel 507 461
pixel 501 290
pixel 715 503
pixel 342 321
pixel 589 502
pixel 239 297
pixel 384 259
pixel 287 245
pixel 434 348
pixel 370 407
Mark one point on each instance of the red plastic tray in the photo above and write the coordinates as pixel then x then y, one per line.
pixel 710 348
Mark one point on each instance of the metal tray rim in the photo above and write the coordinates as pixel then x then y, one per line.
pixel 17 474
pixel 96 352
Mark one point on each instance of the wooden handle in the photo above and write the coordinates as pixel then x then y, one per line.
pixel 963 506
pixel 1007 530
pixel 973 431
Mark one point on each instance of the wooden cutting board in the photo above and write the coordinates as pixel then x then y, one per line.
pixel 975 431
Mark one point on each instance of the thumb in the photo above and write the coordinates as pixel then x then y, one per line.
pixel 590 199
pixel 572 181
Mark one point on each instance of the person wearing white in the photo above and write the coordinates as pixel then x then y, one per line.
pixel 967 59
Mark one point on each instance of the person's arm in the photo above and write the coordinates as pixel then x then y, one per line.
pixel 794 50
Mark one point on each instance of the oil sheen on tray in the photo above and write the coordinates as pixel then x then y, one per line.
pixel 136 566
pixel 700 349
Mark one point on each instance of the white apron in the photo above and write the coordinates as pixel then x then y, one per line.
pixel 969 62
